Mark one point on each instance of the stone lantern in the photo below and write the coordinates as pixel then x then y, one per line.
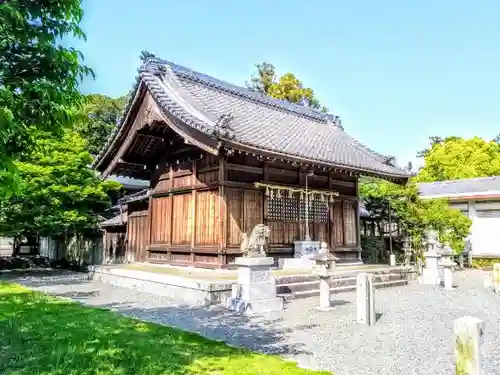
pixel 324 266
pixel 431 274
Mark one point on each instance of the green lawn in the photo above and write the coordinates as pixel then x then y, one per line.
pixel 43 335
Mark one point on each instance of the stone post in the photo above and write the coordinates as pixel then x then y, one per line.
pixel 448 265
pixel 430 274
pixel 392 260
pixel 495 278
pixel 469 332
pixel 371 297
pixel 448 278
pixel 255 291
pixel 365 301
pixel 324 293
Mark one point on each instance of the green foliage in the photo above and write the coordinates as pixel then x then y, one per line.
pixel 415 215
pixel 45 335
pixel 97 117
pixel 58 192
pixel 484 263
pixel 287 87
pixel 454 158
pixel 38 75
pixel 372 248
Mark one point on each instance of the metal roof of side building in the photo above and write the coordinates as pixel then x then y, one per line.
pixel 241 117
pixel 461 189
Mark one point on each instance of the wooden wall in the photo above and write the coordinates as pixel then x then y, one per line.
pixel 114 245
pixel 137 236
pixel 199 209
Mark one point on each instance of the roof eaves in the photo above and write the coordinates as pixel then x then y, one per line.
pixel 115 133
pixel 279 153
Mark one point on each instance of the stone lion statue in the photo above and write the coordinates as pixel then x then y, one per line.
pixel 255 245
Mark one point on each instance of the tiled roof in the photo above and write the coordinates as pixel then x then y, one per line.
pixel 464 187
pixel 133 197
pixel 240 116
pixel 115 221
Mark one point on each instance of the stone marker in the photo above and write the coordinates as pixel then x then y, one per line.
pixel 392 260
pixel 324 293
pixel 371 296
pixel 469 332
pixel 495 278
pixel 488 282
pixel 365 301
pixel 448 264
pixel 255 291
pixel 430 274
pixel 448 278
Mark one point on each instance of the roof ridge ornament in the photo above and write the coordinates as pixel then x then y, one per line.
pixel 146 55
pixel 222 128
pixel 334 120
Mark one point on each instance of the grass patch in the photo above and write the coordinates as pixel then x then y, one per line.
pixel 44 335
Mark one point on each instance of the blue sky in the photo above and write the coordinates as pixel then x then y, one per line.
pixel 396 72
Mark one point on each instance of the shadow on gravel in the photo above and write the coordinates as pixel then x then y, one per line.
pixel 259 333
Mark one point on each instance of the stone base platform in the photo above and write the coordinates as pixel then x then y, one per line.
pixel 185 290
pixel 214 287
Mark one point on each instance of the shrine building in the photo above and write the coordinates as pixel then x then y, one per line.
pixel 221 159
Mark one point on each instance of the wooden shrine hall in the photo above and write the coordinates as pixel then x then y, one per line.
pixel 222 158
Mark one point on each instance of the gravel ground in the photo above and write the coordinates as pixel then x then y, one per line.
pixel 413 335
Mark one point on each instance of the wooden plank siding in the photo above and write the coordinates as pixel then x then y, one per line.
pixel 137 236
pixel 199 209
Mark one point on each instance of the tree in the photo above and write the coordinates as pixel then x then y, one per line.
pixel 287 87
pixel 58 192
pixel 97 117
pixel 455 158
pixel 415 215
pixel 38 75
pixel 262 80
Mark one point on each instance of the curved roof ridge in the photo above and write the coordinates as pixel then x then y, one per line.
pixel 244 92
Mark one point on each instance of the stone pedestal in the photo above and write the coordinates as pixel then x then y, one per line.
pixel 365 299
pixel 469 332
pixel 392 260
pixel 255 291
pixel 306 249
pixel 431 272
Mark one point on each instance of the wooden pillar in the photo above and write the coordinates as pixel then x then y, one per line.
pixel 193 209
pixel 300 178
pixel 170 219
pixel 265 207
pixel 358 229
pixel 222 207
pixel 149 227
pixel 331 223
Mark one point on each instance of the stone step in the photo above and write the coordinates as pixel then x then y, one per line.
pixel 339 273
pixel 338 289
pixel 333 282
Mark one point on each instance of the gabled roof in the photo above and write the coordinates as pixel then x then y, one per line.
pixel 471 187
pixel 240 117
